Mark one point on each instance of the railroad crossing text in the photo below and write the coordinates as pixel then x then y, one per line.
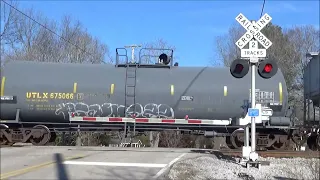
pixel 253 53
pixel 257 26
pixel 253 30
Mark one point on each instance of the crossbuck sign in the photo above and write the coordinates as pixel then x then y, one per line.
pixel 253 31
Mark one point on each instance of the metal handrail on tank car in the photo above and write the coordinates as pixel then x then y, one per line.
pixel 117 55
pixel 159 49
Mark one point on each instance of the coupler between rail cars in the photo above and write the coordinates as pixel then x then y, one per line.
pixel 313 140
pixel 38 135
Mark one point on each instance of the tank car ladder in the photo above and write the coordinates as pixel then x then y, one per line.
pixel 130 89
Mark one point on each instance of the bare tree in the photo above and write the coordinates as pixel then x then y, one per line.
pixel 45 43
pixel 78 46
pixel 8 34
pixel 31 36
pixel 8 18
pixel 226 49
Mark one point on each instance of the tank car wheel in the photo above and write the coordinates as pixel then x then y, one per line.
pixel 278 146
pixel 3 139
pixel 42 137
pixel 228 142
pixel 298 138
pixel 237 138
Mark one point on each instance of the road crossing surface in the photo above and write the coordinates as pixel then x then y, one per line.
pixel 30 162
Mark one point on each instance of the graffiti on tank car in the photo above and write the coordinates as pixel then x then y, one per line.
pixel 93 110
pixel 114 110
pixel 151 110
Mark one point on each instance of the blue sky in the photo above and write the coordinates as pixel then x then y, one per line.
pixel 191 26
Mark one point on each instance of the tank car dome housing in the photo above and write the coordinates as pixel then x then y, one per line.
pixel 164 59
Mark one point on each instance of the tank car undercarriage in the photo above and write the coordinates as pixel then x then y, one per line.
pixel 275 139
pixel 266 138
pixel 38 135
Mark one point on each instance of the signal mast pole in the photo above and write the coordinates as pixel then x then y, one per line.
pixel 132 51
pixel 253 104
pixel 253 45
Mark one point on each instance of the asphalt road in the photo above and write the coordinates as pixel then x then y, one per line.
pixel 30 162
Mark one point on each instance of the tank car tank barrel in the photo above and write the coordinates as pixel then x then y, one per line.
pixel 46 96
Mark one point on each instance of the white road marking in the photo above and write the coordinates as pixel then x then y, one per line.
pixel 115 164
pixel 168 166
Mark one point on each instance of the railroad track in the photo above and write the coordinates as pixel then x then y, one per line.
pixel 277 154
pixel 235 153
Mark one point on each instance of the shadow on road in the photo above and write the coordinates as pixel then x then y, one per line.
pixel 283 178
pixel 61 169
pixel 201 150
pixel 245 176
pixel 224 157
pixel 218 154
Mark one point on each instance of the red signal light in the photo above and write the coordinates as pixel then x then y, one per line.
pixel 267 68
pixel 239 68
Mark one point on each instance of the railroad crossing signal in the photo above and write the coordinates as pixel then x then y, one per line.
pixel 253 31
pixel 239 68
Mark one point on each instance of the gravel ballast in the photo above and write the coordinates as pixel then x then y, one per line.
pixel 210 167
